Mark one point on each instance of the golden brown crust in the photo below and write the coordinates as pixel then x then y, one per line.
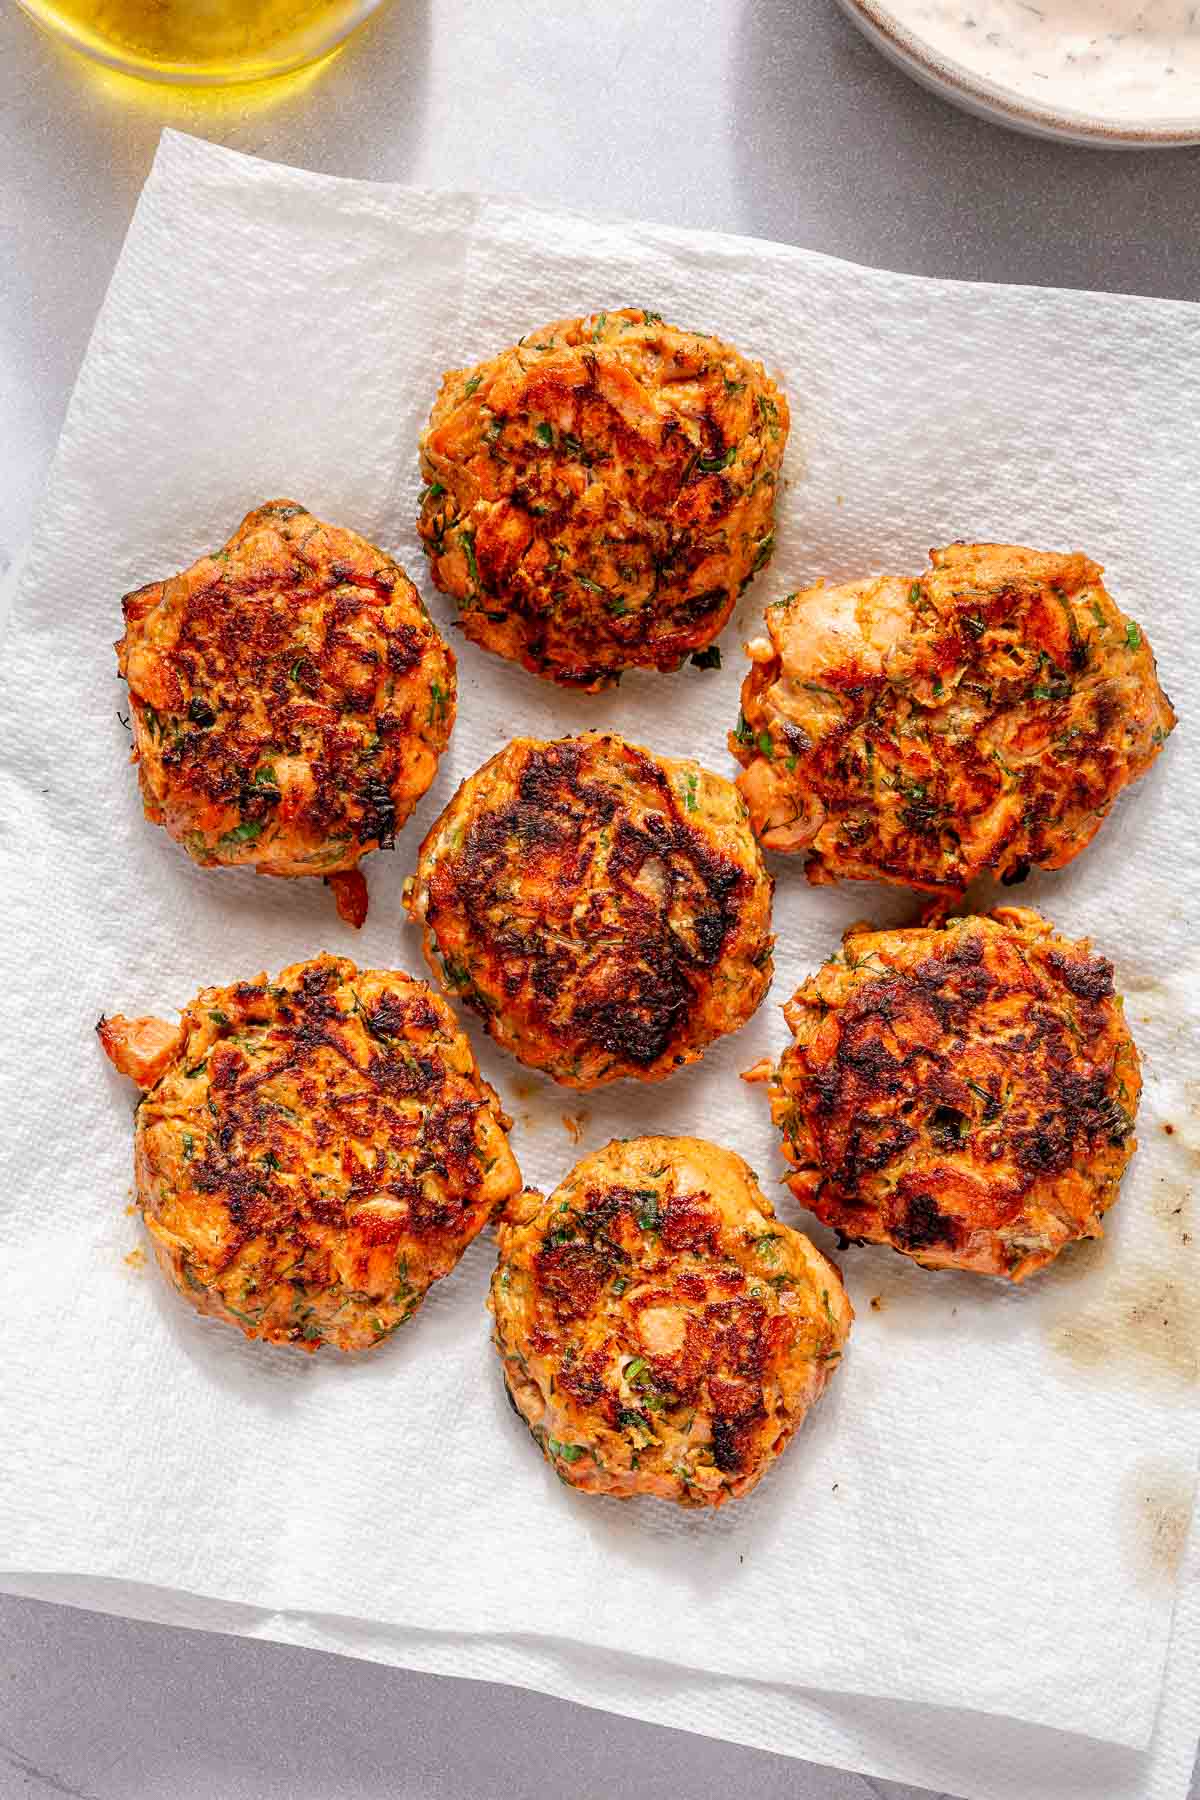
pixel 599 494
pixel 966 1093
pixel 316 1152
pixel 605 910
pixel 661 1331
pixel 982 717
pixel 289 695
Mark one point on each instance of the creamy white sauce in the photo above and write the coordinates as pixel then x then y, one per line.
pixel 1118 59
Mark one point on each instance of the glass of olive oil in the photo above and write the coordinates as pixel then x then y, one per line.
pixel 201 41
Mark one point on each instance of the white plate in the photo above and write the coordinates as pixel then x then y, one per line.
pixel 1007 106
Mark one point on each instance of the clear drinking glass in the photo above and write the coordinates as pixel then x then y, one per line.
pixel 201 41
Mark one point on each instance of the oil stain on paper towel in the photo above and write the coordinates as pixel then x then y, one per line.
pixel 1156 1510
pixel 1144 1317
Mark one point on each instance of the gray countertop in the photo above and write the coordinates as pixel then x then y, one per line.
pixel 764 116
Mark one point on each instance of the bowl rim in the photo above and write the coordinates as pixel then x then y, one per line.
pixel 1015 107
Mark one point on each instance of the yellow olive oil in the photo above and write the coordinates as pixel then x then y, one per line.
pixel 201 40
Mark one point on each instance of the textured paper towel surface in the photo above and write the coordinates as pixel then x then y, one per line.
pixel 985 1510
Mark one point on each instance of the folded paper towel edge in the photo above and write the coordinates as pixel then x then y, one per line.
pixel 174 144
pixel 651 1687
pixel 69 1588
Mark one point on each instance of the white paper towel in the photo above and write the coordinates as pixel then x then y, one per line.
pixel 985 1509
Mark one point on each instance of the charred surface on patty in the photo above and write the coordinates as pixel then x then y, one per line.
pixel 966 1094
pixel 662 1333
pixel 598 495
pixel 606 911
pixel 289 695
pixel 982 717
pixel 313 1153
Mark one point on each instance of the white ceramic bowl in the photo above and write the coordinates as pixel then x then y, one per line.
pixel 1008 106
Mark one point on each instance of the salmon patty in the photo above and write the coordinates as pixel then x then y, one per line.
pixel 605 910
pixel 661 1331
pixel 290 698
pixel 983 716
pixel 966 1093
pixel 597 496
pixel 312 1153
